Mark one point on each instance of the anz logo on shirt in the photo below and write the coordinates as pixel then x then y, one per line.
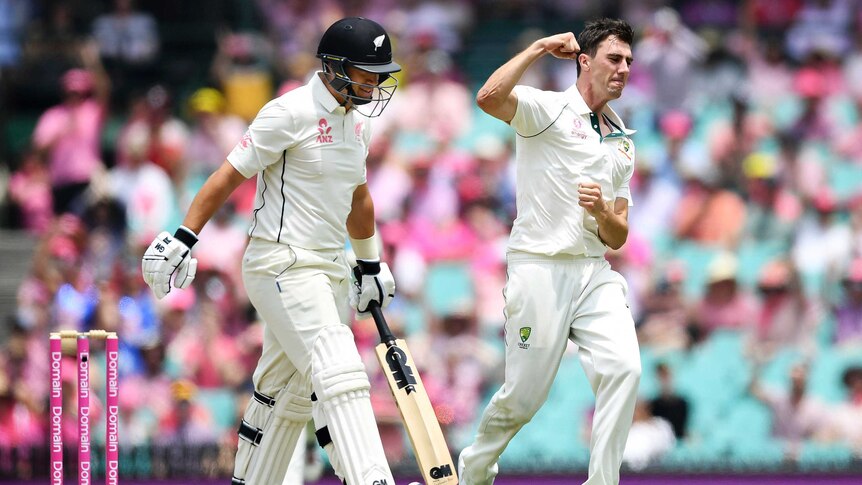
pixel 324 130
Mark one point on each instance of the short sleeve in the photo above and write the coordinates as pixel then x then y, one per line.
pixel 368 139
pixel 536 110
pixel 48 128
pixel 267 137
pixel 624 192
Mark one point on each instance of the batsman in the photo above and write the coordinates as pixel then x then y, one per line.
pixel 574 159
pixel 307 149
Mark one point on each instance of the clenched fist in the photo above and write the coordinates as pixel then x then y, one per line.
pixel 561 46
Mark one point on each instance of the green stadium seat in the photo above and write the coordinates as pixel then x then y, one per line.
pixel 448 287
pixel 818 456
pixel 221 405
pixel 824 379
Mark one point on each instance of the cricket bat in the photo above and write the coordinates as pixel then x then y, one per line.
pixel 417 414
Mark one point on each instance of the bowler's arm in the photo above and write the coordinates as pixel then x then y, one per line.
pixel 614 224
pixel 497 98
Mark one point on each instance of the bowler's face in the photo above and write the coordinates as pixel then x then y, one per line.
pixel 610 67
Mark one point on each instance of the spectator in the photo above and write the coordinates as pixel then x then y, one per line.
pixel 665 320
pixel 657 186
pixel 797 416
pixel 187 422
pixel 786 319
pixel 126 36
pixel 205 353
pixel 434 104
pixel 222 245
pixel 844 423
pixel 67 136
pixel 724 305
pixel 242 68
pixel 848 312
pixel 730 142
pixel 143 188
pixel 213 133
pixel 772 211
pixel 457 385
pixel 14 16
pixel 672 54
pixel 708 214
pixel 21 423
pixel 821 26
pixel 649 439
pixel 669 404
pixel 30 192
pixel 823 242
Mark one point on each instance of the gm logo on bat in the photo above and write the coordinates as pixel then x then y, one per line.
pixel 441 471
pixel 402 372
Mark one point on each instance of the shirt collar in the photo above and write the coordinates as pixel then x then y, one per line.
pixel 576 101
pixel 322 94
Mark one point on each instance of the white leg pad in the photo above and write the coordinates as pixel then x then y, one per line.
pixel 269 433
pixel 296 468
pixel 342 388
pixel 324 438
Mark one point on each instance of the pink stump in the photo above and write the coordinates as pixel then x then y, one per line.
pixel 112 386
pixel 56 411
pixel 84 473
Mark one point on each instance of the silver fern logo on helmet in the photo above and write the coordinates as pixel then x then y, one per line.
pixel 378 42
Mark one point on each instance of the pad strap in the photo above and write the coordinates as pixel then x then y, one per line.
pixel 250 433
pixel 264 399
pixel 323 436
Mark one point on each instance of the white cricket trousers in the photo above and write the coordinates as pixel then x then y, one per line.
pixel 318 284
pixel 550 300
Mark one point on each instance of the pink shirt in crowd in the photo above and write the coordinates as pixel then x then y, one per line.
pixel 71 135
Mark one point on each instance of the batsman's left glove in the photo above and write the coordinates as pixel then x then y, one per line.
pixel 170 256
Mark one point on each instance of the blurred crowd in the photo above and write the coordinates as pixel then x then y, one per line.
pixel 747 216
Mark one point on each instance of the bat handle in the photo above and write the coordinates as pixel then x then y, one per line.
pixel 382 327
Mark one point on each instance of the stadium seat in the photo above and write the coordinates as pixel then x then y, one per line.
pixel 448 286
pixel 221 405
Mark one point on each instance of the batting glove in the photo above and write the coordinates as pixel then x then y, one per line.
pixel 170 257
pixel 374 282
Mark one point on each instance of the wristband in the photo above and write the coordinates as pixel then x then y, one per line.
pixel 367 267
pixel 366 249
pixel 186 236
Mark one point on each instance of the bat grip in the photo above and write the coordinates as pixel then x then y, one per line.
pixel 382 327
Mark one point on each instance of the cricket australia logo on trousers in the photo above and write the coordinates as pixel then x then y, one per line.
pixel 525 335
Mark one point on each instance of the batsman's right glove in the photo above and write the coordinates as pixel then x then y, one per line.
pixel 170 256
pixel 374 282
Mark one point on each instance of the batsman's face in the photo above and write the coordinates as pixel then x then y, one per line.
pixel 368 81
pixel 609 70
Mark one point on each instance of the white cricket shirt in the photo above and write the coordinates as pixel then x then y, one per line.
pixel 309 157
pixel 558 145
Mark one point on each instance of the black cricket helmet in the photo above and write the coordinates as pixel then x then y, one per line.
pixel 365 45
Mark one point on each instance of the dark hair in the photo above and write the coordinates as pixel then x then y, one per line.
pixel 598 30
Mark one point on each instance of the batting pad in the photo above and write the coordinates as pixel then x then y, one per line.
pixel 342 388
pixel 269 433
pixel 324 439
